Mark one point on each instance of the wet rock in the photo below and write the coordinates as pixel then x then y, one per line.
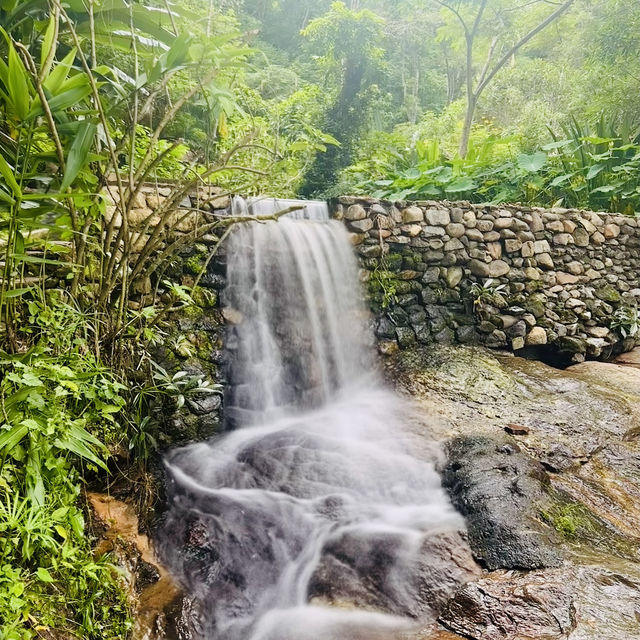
pixel 360 572
pixel 499 490
pixel 204 404
pixel 538 605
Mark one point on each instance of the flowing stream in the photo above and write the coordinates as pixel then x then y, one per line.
pixel 317 494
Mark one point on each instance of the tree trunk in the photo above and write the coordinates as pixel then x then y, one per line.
pixel 466 129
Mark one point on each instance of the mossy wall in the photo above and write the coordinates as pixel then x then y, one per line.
pixel 504 276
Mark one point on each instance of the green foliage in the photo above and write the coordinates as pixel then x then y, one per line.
pixel 182 385
pixel 589 167
pixel 626 321
pixel 485 293
pixel 384 283
pixel 60 413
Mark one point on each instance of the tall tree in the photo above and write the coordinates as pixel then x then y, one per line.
pixel 348 43
pixel 494 18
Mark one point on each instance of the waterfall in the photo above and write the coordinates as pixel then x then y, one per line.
pixel 321 490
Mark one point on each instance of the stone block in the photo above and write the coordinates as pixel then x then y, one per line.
pixel 355 212
pixel 611 231
pixel 413 214
pixel 474 234
pixel 536 336
pixel 361 226
pixel 437 217
pixel 495 250
pixel 545 261
pixel 541 246
pixel 581 237
pixel 512 245
pixel 454 276
pixel 455 230
pixel 493 269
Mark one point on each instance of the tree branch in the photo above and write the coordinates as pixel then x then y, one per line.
pixel 505 58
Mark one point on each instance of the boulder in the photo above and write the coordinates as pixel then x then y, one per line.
pixel 499 490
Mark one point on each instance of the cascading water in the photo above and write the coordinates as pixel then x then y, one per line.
pixel 319 496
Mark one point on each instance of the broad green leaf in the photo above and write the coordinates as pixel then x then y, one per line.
pixel 9 439
pixel 607 188
pixel 598 140
pixel 78 153
pixel 558 180
pixel 532 162
pixel 461 184
pixel 558 144
pixel 594 170
pixel 59 513
pixel 44 575
pixel 411 174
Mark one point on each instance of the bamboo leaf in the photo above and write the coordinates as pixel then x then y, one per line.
pixel 62 101
pixel 7 173
pixel 23 257
pixel 59 74
pixel 18 88
pixel 16 293
pixel 47 45
pixel 78 153
pixel 11 438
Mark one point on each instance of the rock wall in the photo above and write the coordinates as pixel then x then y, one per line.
pixel 510 276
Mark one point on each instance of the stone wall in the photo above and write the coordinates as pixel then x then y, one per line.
pixel 505 276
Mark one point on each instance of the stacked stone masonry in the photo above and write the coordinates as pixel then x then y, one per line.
pixel 503 276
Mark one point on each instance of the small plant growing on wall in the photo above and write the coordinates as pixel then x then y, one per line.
pixel 626 321
pixel 485 293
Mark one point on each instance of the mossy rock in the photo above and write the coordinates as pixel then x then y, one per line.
pixel 571 344
pixel 608 293
pixel 193 264
pixel 204 298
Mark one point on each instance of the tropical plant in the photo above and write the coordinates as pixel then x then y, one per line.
pixel 59 421
pixel 588 167
pixel 84 97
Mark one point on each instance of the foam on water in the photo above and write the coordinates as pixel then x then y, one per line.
pixel 320 459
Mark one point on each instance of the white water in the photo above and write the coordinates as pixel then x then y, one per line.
pixel 318 478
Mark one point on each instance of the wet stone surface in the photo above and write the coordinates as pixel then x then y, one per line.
pixel 565 488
